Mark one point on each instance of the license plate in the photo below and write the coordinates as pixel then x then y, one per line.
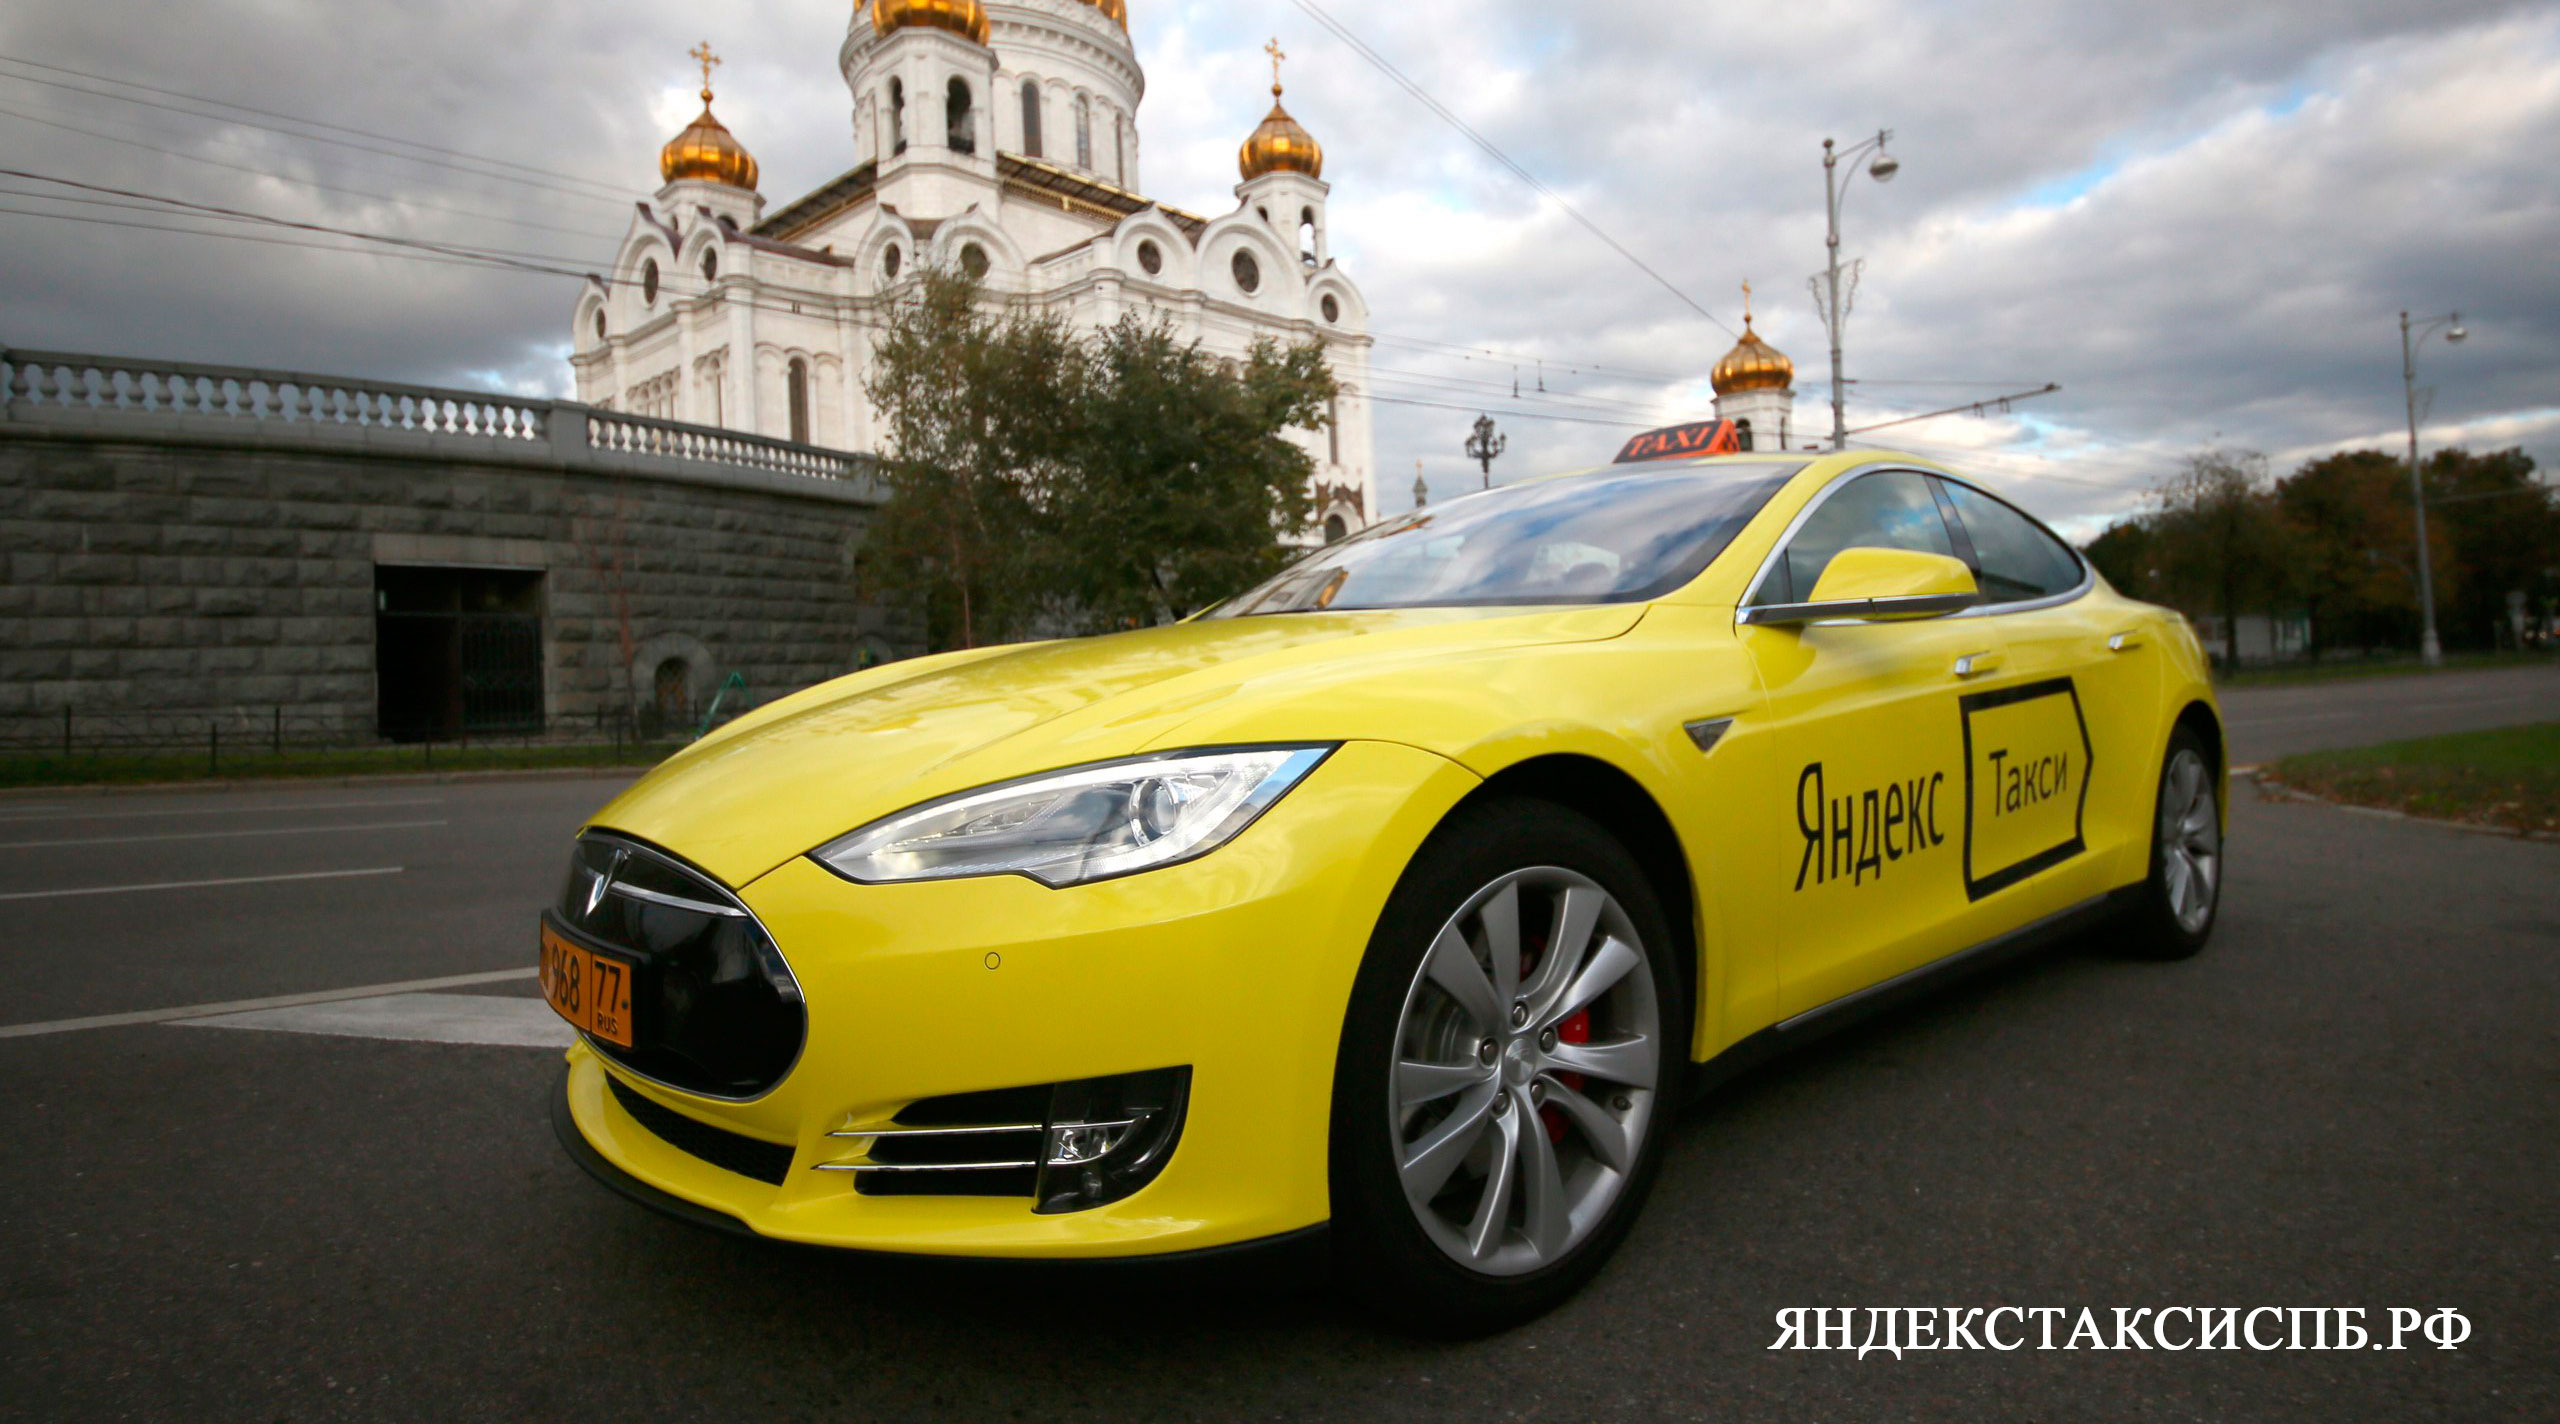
pixel 592 991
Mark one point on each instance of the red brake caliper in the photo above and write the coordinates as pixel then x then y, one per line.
pixel 1576 1029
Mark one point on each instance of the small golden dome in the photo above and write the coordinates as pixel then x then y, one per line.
pixel 1753 365
pixel 1281 144
pixel 708 151
pixel 965 18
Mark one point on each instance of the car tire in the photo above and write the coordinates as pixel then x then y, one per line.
pixel 2174 912
pixel 1575 1151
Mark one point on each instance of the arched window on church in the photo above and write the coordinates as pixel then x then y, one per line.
pixel 796 383
pixel 1335 531
pixel 1742 433
pixel 1084 133
pixel 897 115
pixel 961 115
pixel 1119 151
pixel 1031 117
pixel 1333 426
pixel 1307 236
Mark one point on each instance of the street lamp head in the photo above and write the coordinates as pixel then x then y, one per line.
pixel 1885 166
pixel 2457 332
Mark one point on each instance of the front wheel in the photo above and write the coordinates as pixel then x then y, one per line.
pixel 1510 1059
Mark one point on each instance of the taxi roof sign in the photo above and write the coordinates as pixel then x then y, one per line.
pixel 1677 442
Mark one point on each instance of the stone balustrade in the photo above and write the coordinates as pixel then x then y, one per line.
pixel 104 396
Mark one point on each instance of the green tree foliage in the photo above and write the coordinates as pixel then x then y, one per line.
pixel 971 408
pixel 2336 540
pixel 2354 550
pixel 2220 546
pixel 2502 527
pixel 1178 488
pixel 1043 478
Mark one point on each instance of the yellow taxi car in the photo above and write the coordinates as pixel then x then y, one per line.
pixel 1400 900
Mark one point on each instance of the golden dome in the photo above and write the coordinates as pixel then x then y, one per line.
pixel 708 151
pixel 1753 365
pixel 1281 144
pixel 965 18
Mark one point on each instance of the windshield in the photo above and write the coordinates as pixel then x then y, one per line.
pixel 1602 538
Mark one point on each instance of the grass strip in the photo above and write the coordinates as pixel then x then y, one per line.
pixel 2509 777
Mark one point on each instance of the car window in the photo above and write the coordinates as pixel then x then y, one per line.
pixel 1599 538
pixel 1891 509
pixel 2019 560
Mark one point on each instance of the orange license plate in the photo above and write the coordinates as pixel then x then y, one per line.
pixel 592 991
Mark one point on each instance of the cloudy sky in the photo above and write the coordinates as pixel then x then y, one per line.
pixel 2200 217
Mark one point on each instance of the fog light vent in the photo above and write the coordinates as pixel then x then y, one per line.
pixel 1069 1146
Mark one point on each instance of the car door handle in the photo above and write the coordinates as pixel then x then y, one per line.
pixel 2123 642
pixel 1976 664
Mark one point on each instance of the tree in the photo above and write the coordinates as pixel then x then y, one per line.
pixel 1041 477
pixel 1179 488
pixel 2351 536
pixel 2502 527
pixel 2221 546
pixel 974 408
pixel 2127 552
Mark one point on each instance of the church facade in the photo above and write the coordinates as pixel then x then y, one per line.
pixel 1000 139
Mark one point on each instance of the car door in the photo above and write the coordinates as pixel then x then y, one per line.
pixel 1857 867
pixel 2047 838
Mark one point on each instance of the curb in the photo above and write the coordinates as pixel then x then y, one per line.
pixel 2273 790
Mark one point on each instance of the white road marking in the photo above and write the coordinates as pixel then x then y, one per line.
pixel 199 884
pixel 58 812
pixel 223 835
pixel 413 1018
pixel 279 1001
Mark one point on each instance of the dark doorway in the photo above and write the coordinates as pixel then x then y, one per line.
pixel 457 651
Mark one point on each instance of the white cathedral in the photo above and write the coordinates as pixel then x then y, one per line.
pixel 998 138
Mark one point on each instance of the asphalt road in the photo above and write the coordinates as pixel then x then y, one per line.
pixel 2271 722
pixel 2347 1101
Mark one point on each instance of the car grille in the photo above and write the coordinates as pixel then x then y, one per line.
pixel 715 1010
pixel 726 1150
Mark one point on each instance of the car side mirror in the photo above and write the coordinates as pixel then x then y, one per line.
pixel 1868 585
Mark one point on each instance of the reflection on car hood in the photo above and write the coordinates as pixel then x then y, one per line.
pixel 817 764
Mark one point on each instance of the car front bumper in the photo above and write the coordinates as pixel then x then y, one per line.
pixel 1236 966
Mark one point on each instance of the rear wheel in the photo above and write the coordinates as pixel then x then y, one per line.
pixel 2176 912
pixel 1512 1053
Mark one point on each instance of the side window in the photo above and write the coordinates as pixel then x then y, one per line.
pixel 2019 559
pixel 1891 509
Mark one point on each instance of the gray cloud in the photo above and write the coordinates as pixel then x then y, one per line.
pixel 2199 217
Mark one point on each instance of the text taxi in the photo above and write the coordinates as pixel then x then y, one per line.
pixel 1400 900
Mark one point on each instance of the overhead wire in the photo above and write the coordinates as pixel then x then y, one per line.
pixel 304 182
pixel 298 119
pixel 600 194
pixel 1387 67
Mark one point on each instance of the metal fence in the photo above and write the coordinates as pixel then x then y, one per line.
pixel 246 741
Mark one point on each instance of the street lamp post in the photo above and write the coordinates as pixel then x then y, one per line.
pixel 1882 170
pixel 1484 446
pixel 2412 336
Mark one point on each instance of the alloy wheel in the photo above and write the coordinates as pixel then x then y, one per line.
pixel 1528 1056
pixel 2190 841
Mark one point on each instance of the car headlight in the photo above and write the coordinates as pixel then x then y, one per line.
pixel 1082 823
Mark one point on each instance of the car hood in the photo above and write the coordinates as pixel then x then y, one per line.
pixel 809 768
